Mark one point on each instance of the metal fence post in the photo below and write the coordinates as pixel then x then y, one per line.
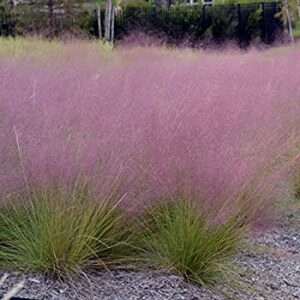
pixel 199 18
pixel 289 21
pixel 203 18
pixel 263 37
pixel 239 23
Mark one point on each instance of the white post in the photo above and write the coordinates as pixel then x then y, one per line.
pixel 288 16
pixel 99 20
pixel 108 17
pixel 113 25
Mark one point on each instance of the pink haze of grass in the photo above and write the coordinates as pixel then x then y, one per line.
pixel 147 122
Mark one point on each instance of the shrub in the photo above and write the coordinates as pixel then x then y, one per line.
pixel 141 125
pixel 177 237
pixel 35 19
pixel 218 23
pixel 58 232
pixel 29 20
pixel 296 185
pixel 7 22
pixel 175 24
pixel 197 124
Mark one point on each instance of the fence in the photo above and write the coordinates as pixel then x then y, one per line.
pixel 30 19
pixel 241 22
pixel 175 24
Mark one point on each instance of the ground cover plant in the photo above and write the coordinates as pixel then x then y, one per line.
pixel 214 135
pixel 61 233
pixel 176 237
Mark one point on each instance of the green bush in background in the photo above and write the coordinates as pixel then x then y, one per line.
pixel 176 25
pixel 195 24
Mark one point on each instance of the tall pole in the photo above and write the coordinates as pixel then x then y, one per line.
pixel 50 5
pixel 112 24
pixel 108 20
pixel 288 16
pixel 99 21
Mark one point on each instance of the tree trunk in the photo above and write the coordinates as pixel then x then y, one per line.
pixel 108 19
pixel 99 21
pixel 50 6
pixel 112 36
pixel 288 17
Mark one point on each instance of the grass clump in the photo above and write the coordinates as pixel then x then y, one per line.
pixel 296 186
pixel 179 239
pixel 62 233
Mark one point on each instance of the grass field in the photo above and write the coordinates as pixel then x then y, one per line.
pixel 144 156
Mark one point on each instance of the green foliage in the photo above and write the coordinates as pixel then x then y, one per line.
pixel 221 23
pixel 135 4
pixel 6 19
pixel 84 22
pixel 176 237
pixel 252 21
pixel 29 20
pixel 296 29
pixel 180 24
pixel 296 185
pixel 221 2
pixel 293 9
pixel 58 18
pixel 62 232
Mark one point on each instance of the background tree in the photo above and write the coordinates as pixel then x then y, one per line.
pixel 54 16
pixel 99 20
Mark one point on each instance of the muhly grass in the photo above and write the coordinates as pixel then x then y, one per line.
pixel 141 125
pixel 296 185
pixel 34 45
pixel 176 237
pixel 61 233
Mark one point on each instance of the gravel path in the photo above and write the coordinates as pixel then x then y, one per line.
pixel 270 269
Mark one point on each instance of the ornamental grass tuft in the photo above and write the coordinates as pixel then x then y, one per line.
pixel 176 237
pixel 62 233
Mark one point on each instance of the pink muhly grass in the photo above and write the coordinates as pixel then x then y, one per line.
pixel 149 123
